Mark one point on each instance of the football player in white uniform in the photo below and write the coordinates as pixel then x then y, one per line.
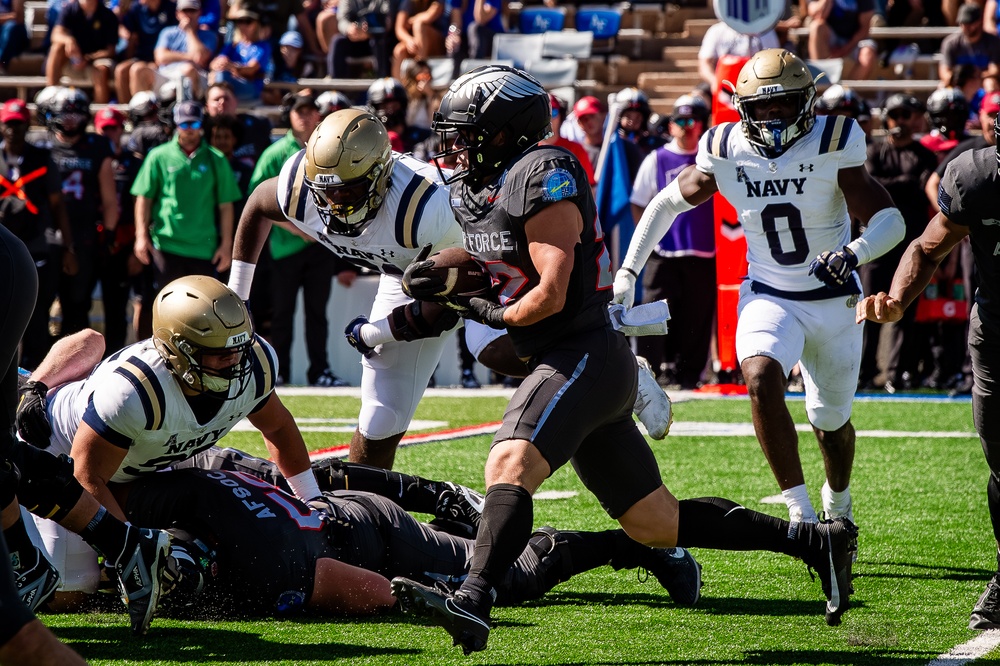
pixel 792 178
pixel 375 209
pixel 163 400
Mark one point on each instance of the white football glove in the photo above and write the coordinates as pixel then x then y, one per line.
pixel 624 288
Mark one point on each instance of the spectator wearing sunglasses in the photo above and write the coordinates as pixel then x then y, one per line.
pixel 682 266
pixel 184 203
pixel 246 61
pixel 902 166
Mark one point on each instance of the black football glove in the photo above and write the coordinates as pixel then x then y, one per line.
pixel 417 284
pixel 834 268
pixel 31 420
pixel 484 311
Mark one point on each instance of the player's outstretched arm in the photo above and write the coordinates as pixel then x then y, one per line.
pixel 691 188
pixel 870 202
pixel 287 448
pixel 260 212
pixel 919 262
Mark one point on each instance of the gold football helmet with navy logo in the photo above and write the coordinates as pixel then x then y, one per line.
pixel 774 95
pixel 348 165
pixel 198 316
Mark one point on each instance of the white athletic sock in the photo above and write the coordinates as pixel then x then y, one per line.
pixel 837 504
pixel 800 509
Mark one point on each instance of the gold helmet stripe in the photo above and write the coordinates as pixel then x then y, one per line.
pixel 835 134
pixel 295 202
pixel 264 368
pixel 411 206
pixel 147 387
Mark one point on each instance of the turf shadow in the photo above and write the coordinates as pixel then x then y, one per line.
pixel 200 645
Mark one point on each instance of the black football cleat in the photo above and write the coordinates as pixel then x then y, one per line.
pixel 460 506
pixel 986 613
pixel 451 611
pixel 833 564
pixel 36 585
pixel 139 571
pixel 678 573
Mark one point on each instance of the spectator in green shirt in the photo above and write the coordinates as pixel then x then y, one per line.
pixel 299 262
pixel 184 203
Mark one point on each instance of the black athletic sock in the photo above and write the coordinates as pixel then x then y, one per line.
pixel 23 554
pixel 721 524
pixel 107 534
pixel 410 492
pixel 589 550
pixel 507 516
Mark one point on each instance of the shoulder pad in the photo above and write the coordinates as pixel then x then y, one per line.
pixel 836 131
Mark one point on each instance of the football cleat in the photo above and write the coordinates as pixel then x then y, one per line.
pixel 652 406
pixel 36 585
pixel 451 611
pixel 461 506
pixel 833 564
pixel 139 570
pixel 678 572
pixel 986 612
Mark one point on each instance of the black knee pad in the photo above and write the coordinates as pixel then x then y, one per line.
pixel 48 488
pixel 545 563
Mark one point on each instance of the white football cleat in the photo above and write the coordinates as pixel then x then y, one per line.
pixel 652 405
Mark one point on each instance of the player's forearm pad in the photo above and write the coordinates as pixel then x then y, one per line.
pixel 885 229
pixel 654 223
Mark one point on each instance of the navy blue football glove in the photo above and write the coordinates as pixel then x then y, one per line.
pixel 353 335
pixel 417 284
pixel 834 268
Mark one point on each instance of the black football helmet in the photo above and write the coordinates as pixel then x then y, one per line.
pixel 948 110
pixel 382 92
pixel 840 100
pixel 69 112
pixel 633 99
pixel 484 103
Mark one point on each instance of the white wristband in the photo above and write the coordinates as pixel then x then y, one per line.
pixel 304 485
pixel 377 333
pixel 241 277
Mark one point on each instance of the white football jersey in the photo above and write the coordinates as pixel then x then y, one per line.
pixel 416 211
pixel 791 206
pixel 134 401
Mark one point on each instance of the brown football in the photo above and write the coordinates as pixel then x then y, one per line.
pixel 462 275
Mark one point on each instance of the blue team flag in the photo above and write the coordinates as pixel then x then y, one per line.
pixel 614 187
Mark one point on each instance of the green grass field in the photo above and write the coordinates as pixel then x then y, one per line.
pixel 926 551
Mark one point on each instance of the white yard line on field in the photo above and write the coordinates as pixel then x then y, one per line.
pixel 970 650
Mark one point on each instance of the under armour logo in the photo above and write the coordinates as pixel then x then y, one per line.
pixel 805 167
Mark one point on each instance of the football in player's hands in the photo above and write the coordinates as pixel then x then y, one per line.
pixel 834 268
pixel 446 275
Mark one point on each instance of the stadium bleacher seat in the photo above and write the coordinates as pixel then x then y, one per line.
pixel 567 44
pixel 553 72
pixel 518 48
pixel 541 19
pixel 605 22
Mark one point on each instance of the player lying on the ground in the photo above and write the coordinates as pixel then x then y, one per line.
pixel 244 544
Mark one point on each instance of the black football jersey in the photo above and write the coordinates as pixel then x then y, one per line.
pixel 493 220
pixel 79 165
pixel 968 196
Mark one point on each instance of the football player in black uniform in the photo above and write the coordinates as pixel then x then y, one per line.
pixel 84 160
pixel 967 201
pixel 244 544
pixel 528 215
